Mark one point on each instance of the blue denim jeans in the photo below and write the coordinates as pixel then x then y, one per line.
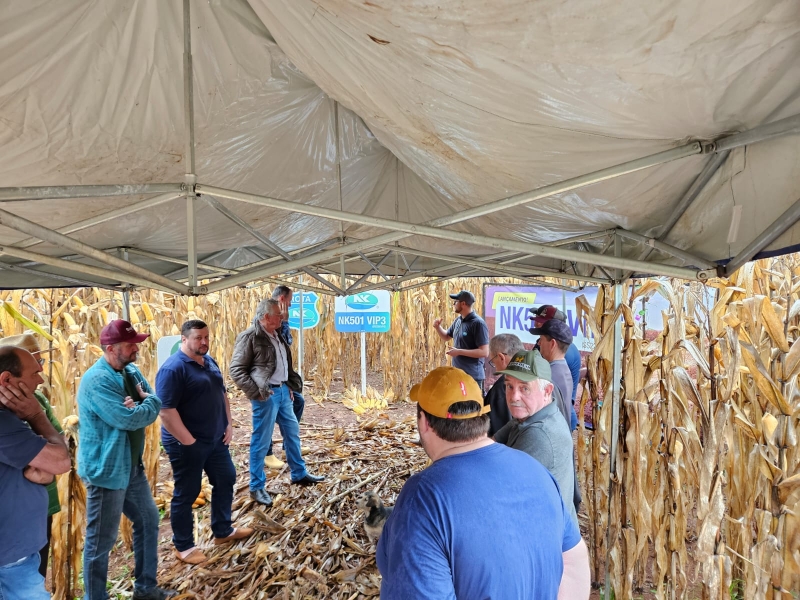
pixel 104 508
pixel 278 407
pixel 21 580
pixel 298 404
pixel 188 464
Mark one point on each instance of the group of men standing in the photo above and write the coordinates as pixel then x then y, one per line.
pixel 115 405
pixel 532 527
pixel 528 545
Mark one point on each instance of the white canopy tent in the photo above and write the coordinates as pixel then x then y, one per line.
pixel 159 143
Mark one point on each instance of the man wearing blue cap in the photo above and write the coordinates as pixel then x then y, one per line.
pixel 470 337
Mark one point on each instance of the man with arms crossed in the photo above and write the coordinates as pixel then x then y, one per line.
pixel 470 337
pixel 31 453
pixel 115 404
pixel 196 430
pixel 441 541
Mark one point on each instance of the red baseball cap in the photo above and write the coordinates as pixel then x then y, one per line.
pixel 544 313
pixel 121 331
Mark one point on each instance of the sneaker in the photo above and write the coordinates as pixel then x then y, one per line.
pixel 273 462
pixel 194 556
pixel 155 594
pixel 238 533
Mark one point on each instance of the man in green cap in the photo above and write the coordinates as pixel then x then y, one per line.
pixel 537 427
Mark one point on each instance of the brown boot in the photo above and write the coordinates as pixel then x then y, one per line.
pixel 195 556
pixel 238 533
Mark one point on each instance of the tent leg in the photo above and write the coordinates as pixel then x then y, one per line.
pixel 616 392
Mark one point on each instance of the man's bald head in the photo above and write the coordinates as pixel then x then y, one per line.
pixel 11 360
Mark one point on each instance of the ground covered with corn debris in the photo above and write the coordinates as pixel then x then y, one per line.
pixel 311 543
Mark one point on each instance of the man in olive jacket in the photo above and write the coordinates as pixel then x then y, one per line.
pixel 261 367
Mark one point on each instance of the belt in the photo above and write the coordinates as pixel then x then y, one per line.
pixel 276 385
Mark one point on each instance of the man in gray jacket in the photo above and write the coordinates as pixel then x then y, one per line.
pixel 536 427
pixel 261 367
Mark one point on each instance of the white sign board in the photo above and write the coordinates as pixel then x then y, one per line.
pixel 166 347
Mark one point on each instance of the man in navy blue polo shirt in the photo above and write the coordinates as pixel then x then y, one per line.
pixel 196 430
pixel 470 337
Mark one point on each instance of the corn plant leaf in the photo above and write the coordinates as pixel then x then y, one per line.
pixel 773 325
pixel 764 382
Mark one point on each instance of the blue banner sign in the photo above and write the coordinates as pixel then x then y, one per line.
pixel 366 311
pixel 310 310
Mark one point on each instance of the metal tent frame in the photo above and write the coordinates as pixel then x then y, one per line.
pixel 97 266
pixel 112 267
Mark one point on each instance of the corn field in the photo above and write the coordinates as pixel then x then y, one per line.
pixel 706 492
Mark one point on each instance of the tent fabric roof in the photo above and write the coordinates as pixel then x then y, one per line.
pixel 442 107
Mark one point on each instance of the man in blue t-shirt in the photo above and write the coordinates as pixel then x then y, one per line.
pixel 470 337
pixel 31 453
pixel 442 542
pixel 196 430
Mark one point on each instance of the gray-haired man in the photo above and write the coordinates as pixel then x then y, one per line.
pixel 261 367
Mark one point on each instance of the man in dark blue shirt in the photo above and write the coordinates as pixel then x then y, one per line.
pixel 470 337
pixel 196 430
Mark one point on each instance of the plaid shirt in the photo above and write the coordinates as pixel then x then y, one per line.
pixel 104 453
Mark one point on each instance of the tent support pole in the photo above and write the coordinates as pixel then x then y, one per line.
pixel 616 393
pixel 72 282
pixel 76 267
pixel 431 229
pixel 21 224
pixel 180 261
pixel 515 271
pixel 769 235
pixel 233 217
pixel 190 178
pixel 668 249
pixel 108 216
pixel 66 192
pixel 126 294
pixel 368 273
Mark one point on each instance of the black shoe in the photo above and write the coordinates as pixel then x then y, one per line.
pixel 309 479
pixel 155 594
pixel 262 497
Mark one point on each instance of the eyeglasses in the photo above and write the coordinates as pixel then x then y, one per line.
pixel 491 360
pixel 41 361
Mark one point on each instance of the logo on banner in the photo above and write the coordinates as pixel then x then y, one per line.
pixel 364 301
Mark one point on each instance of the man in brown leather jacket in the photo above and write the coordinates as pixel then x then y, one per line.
pixel 261 367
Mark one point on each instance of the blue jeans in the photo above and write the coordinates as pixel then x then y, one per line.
pixel 298 404
pixel 278 407
pixel 573 419
pixel 188 464
pixel 21 580
pixel 104 508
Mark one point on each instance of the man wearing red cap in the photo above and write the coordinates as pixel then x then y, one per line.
pixel 115 404
pixel 483 520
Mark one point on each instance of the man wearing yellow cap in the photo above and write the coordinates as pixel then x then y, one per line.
pixel 483 521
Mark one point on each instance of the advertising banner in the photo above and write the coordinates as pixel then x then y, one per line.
pixel 368 311
pixel 310 310
pixel 505 310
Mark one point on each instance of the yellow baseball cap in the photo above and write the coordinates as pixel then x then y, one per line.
pixel 442 388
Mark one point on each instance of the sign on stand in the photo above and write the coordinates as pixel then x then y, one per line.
pixel 368 311
pixel 305 303
pixel 365 312
pixel 166 347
